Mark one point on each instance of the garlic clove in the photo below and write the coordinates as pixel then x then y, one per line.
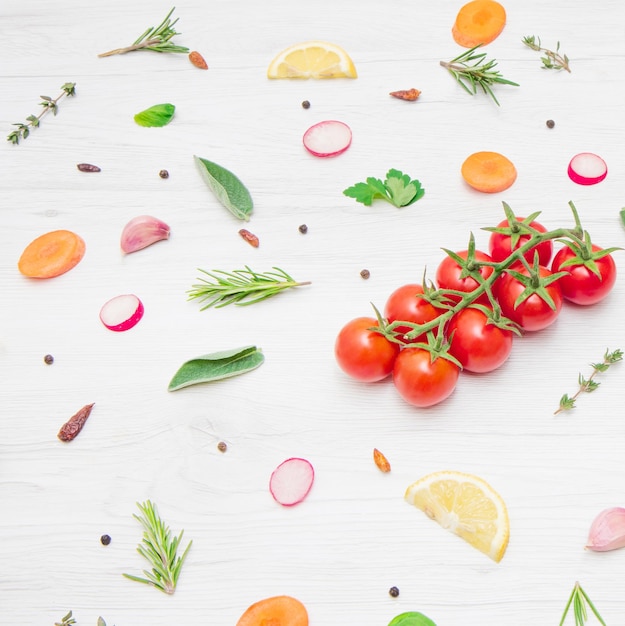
pixel 607 532
pixel 143 231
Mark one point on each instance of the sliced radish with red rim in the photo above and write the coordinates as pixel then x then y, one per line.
pixel 328 139
pixel 122 312
pixel 587 168
pixel 291 481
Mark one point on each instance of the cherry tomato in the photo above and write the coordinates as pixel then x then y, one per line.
pixel 582 285
pixel 404 305
pixel 362 353
pixel 448 275
pixel 478 345
pixel 422 382
pixel 500 245
pixel 534 313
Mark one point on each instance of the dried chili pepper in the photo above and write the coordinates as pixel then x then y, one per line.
pixel 88 167
pixel 381 461
pixel 74 424
pixel 249 237
pixel 406 94
pixel 198 60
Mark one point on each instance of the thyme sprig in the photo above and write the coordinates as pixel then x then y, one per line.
pixel 241 287
pixel 34 121
pixel 588 385
pixel 471 70
pixel 156 38
pixel 160 549
pixel 66 620
pixel 578 600
pixel 552 60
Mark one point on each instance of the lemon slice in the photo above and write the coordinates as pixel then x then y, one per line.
pixel 312 59
pixel 465 505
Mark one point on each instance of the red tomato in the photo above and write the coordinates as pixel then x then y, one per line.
pixel 364 354
pixel 500 245
pixel 422 382
pixel 582 285
pixel 533 313
pixel 448 275
pixel 478 345
pixel 404 305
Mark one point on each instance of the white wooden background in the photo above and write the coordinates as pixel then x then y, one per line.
pixel 354 536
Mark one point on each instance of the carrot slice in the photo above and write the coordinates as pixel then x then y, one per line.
pixel 51 254
pixel 275 611
pixel 478 22
pixel 488 172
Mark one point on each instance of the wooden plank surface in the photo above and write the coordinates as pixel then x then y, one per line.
pixel 354 536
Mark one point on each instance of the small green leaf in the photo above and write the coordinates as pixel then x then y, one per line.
pixel 217 366
pixel 622 214
pixel 411 618
pixel 101 622
pixel 157 115
pixel 230 191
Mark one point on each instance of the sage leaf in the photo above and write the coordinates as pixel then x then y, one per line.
pixel 230 191
pixel 412 618
pixel 216 366
pixel 157 115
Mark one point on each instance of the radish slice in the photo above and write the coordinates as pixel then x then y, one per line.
pixel 587 168
pixel 291 481
pixel 328 139
pixel 122 312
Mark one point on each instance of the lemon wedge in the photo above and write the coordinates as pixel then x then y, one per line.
pixel 465 505
pixel 312 59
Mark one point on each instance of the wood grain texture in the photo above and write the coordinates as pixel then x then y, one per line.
pixel 353 537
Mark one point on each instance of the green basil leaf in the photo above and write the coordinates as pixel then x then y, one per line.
pixel 230 191
pixel 158 115
pixel 412 618
pixel 216 366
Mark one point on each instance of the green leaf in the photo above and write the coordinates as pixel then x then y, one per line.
pixel 397 189
pixel 217 366
pixel 411 618
pixel 230 191
pixel 622 214
pixel 101 622
pixel 157 115
pixel 365 193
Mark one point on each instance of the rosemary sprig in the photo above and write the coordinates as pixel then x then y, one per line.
pixel 49 104
pixel 241 287
pixel 552 60
pixel 578 599
pixel 160 549
pixel 471 70
pixel 66 621
pixel 156 38
pixel 587 385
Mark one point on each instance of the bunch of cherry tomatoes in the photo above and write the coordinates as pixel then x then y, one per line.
pixel 467 319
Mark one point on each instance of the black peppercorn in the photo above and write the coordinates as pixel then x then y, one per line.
pixel 393 592
pixel 303 229
pixel 222 446
pixel 365 274
pixel 550 123
pixel 306 104
pixel 164 174
pixel 105 540
pixel 48 359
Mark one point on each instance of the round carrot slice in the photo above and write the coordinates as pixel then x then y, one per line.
pixel 488 172
pixel 51 254
pixel 277 611
pixel 478 22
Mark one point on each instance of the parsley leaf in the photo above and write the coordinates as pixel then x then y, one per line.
pixel 397 189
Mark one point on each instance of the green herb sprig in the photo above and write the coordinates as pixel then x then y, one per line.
pixel 397 189
pixel 241 287
pixel 160 549
pixel 578 600
pixel 66 620
pixel 34 121
pixel 471 70
pixel 552 60
pixel 156 38
pixel 588 385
